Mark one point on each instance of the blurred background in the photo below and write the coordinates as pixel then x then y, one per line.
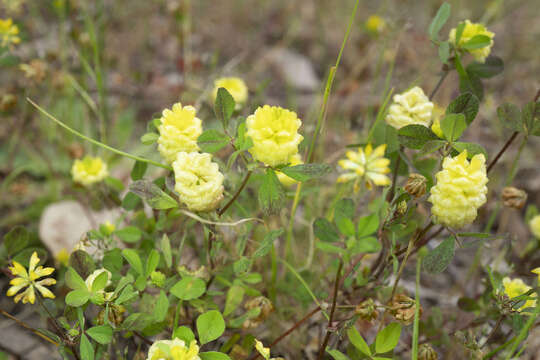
pixel 108 67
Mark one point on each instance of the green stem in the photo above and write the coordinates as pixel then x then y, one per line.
pixel 524 332
pixel 416 325
pixel 320 121
pixel 95 142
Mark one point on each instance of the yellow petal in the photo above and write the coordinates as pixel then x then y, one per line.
pixel 34 260
pixel 45 292
pixel 15 289
pixel 18 269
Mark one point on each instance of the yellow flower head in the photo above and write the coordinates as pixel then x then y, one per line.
pixel 470 31
pixel 534 224
pixel 275 136
pixel 9 33
pixel 284 179
pixel 89 170
pixel 27 279
pixel 178 131
pixel 235 86
pixel 264 351
pixel 175 349
pixel 460 190
pixel 410 107
pixel 199 182
pixel 537 272
pixel 62 257
pixel 366 164
pixel 516 287
pixel 438 113
pixel 375 24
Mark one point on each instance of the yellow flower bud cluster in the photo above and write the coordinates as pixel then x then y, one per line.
pixel 199 182
pixel 178 131
pixel 469 31
pixel 460 190
pixel 9 33
pixel 89 170
pixel 175 349
pixel 410 107
pixel 275 136
pixel 235 86
pixel 516 287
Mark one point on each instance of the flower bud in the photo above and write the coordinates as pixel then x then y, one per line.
pixel 426 352
pixel 416 185
pixel 157 278
pixel 116 314
pixel 403 308
pixel 367 310
pixel 514 197
pixel 401 208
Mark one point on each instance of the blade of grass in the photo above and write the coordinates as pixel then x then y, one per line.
pixel 95 142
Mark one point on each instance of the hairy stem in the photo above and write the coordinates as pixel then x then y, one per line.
pixel 332 311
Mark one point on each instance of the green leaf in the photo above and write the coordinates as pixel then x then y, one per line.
pixel 459 31
pixel 415 136
pixel 452 126
pixel 444 51
pixel 214 355
pixel 100 282
pixel 510 117
pixel 153 195
pixel 166 250
pixel 184 333
pixel 212 140
pixel 329 248
pixel 129 234
pixel 242 265
pixel 438 259
pixel 82 263
pixel 77 297
pixel 152 262
pixel 149 138
pixel 438 21
pixel 466 104
pixel 472 148
pixel 304 172
pixel 270 193
pixel 114 184
pixel 528 113
pixel 324 230
pixel 101 334
pixel 74 280
pixel 387 338
pixel 126 294
pixel 235 295
pixel 133 259
pixel 162 306
pixel 368 244
pixel 368 225
pixel 477 42
pixel 358 341
pixel 224 106
pixel 16 240
pixel 113 261
pixel 337 355
pixel 210 326
pixel 189 288
pixel 86 349
pixel 130 201
pixel 491 67
pixel 267 242
pixel 139 169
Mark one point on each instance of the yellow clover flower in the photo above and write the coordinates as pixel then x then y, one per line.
pixel 460 190
pixel 284 179
pixel 264 351
pixel 28 279
pixel 275 136
pixel 516 287
pixel 375 24
pixel 175 349
pixel 9 32
pixel 366 164
pixel 178 131
pixel 470 31
pixel 438 114
pixel 89 170
pixel 62 257
pixel 410 107
pixel 235 86
pixel 537 272
pixel 199 182
pixel 534 225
